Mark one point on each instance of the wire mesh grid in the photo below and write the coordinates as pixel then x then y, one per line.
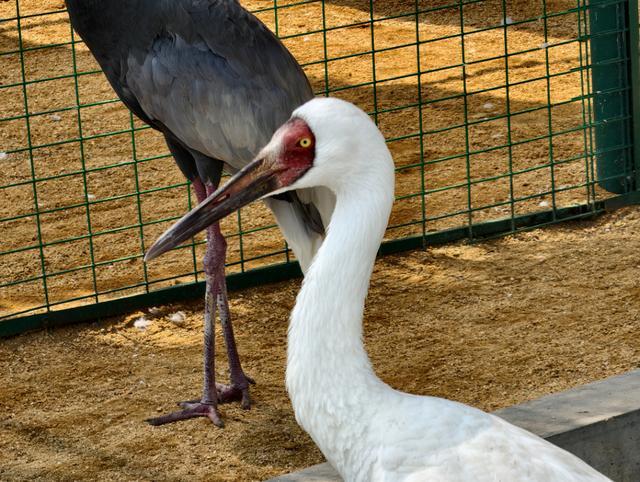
pixel 488 107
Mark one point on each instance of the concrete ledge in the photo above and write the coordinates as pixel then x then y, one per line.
pixel 598 422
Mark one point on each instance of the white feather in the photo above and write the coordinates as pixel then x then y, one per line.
pixel 303 241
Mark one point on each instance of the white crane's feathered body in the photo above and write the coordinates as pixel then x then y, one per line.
pixel 417 439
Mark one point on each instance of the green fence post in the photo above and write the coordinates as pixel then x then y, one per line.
pixel 634 52
pixel 610 70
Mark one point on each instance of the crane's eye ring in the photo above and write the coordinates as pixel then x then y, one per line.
pixel 304 142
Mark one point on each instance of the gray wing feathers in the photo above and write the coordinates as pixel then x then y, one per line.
pixel 240 83
pixel 222 83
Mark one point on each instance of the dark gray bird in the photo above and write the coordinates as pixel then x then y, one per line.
pixel 216 83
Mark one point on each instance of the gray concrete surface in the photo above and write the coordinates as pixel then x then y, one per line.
pixel 599 422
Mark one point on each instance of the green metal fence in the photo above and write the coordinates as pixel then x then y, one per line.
pixel 502 115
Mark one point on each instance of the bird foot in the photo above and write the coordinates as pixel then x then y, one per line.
pixel 236 393
pixel 231 393
pixel 190 410
pixel 198 408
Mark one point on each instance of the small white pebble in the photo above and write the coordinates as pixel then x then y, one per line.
pixel 55 117
pixel 91 197
pixel 497 135
pixel 305 39
pixel 544 45
pixel 506 21
pixel 155 311
pixel 3 156
pixel 178 317
pixel 544 204
pixel 488 106
pixel 142 323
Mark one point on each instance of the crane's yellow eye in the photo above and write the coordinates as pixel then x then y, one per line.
pixel 305 142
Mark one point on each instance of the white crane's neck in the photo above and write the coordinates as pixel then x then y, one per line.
pixel 330 380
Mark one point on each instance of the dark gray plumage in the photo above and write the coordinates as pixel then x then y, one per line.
pixel 217 83
pixel 206 73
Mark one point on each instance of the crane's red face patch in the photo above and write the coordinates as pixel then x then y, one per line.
pixel 298 150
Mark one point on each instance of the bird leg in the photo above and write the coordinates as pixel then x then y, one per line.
pixel 207 406
pixel 215 295
pixel 239 388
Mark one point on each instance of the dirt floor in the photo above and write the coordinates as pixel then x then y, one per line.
pixel 100 224
pixel 490 324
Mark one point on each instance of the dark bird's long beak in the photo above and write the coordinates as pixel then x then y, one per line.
pixel 256 180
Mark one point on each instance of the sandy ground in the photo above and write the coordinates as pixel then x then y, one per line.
pixel 490 324
pixel 109 203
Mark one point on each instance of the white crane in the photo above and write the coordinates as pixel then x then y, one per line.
pixel 366 430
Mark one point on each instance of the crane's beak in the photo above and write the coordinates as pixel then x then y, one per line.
pixel 259 178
